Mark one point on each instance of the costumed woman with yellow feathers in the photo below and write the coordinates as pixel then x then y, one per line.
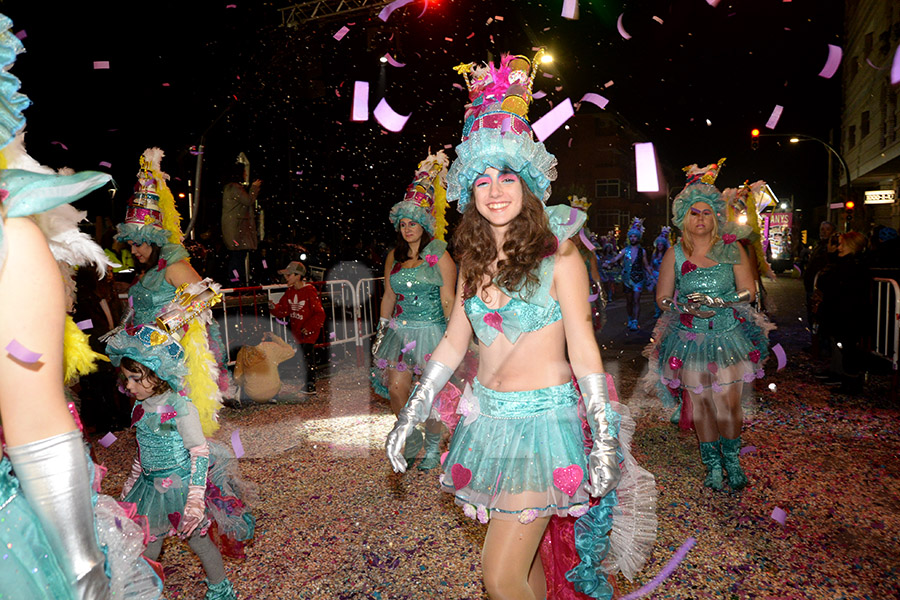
pixel 418 296
pixel 153 229
pixel 61 538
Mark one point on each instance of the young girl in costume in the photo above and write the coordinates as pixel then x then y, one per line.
pixel 635 272
pixel 184 484
pixel 61 539
pixel 517 457
pixel 659 250
pixel 709 343
pixel 418 296
pixel 152 227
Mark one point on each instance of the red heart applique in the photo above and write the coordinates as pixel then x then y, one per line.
pixel 494 320
pixel 175 519
pixel 136 415
pixel 712 368
pixel 729 238
pixel 687 266
pixel 675 363
pixel 461 476
pixel 754 356
pixel 686 319
pixel 568 479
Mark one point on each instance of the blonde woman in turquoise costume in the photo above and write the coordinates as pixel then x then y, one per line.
pixel 709 342
pixel 517 458
pixel 420 279
pixel 61 539
pixel 152 227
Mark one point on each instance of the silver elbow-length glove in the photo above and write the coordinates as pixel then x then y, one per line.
pixel 418 407
pixel 54 477
pixel 127 316
pixel 379 335
pixel 729 299
pixel 603 465
pixel 690 308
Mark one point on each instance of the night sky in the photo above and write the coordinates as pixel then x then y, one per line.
pixel 228 69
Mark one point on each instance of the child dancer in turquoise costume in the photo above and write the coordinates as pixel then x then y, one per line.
pixel 660 245
pixel 517 457
pixel 420 280
pixel 184 484
pixel 635 272
pixel 709 342
pixel 61 539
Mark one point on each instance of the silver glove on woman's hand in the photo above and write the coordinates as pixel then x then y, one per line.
pixel 418 407
pixel 691 308
pixel 379 335
pixel 54 477
pixel 603 465
pixel 729 299
pixel 123 323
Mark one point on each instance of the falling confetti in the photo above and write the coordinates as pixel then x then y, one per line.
pixel 101 64
pixel 236 444
pixel 389 119
pixel 360 110
pixel 20 352
pixel 107 440
pixel 773 119
pixel 553 120
pixel 834 61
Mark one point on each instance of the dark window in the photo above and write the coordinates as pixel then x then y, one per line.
pixel 851 136
pixel 864 125
pixel 607 188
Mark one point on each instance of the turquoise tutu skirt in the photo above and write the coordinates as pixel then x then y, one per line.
pixel 693 354
pixel 405 348
pixel 161 496
pixel 518 455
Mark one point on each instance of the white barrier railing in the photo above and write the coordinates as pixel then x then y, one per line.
pixel 887 320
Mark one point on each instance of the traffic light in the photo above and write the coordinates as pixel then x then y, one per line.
pixel 848 212
pixel 754 139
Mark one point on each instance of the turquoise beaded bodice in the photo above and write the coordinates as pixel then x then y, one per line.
pixel 715 281
pixel 512 319
pixel 418 290
pixel 161 445
pixel 152 292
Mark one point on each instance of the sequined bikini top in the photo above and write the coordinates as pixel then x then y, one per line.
pixel 512 319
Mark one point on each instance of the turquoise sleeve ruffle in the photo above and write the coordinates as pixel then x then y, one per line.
pixel 725 250
pixel 565 221
pixel 172 253
pixel 12 102
pixel 431 273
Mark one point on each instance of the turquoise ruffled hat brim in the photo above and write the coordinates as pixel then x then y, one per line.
pixel 407 209
pixel 12 103
pixel 698 192
pixel 493 148
pixel 166 360
pixel 140 234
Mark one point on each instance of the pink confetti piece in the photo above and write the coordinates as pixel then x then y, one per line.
pixel 389 119
pixel 360 110
pixel 779 515
pixel 539 95
pixel 236 274
pixel 385 13
pixel 236 444
pixel 21 35
pixel 280 321
pixel 339 35
pixel 609 83
pixel 408 347
pixel 498 18
pixel 107 440
pixel 448 39
pixel 470 36
pixel 713 3
pixel 85 325
pixel 834 61
pixel 103 163
pixel 548 75
pixel 595 99
pixel 332 335
pixel 570 142
pixel 573 216
pixel 553 120
pixel 165 85
pixel 621 28
pixel 231 6
pixel 895 68
pixel 780 355
pixel 131 301
pixel 392 61
pixel 773 119
pixel 21 353
pixel 593 297
pixel 265 265
pixel 570 9
pixel 664 573
pixel 645 164
pixel 748 450
pixel 874 66
pixel 101 64
pixel 658 20
pixel 61 145
pixel 586 241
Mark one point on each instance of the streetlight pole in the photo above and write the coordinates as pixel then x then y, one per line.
pixel 795 138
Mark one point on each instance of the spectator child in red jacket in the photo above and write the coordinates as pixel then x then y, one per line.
pixel 301 304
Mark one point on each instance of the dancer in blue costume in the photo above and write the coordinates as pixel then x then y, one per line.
pixel 517 457
pixel 180 481
pixel 418 296
pixel 710 342
pixel 152 228
pixel 61 539
pixel 660 245
pixel 635 272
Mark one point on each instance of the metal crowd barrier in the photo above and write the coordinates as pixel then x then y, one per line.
pixel 886 342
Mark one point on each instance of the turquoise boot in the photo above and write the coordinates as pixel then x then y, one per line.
pixel 712 458
pixel 220 591
pixel 731 450
pixel 414 443
pixel 432 452
pixel 676 416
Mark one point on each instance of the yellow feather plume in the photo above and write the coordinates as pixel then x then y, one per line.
pixel 78 357
pixel 202 378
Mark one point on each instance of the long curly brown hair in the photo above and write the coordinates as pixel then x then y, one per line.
pixel 528 241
